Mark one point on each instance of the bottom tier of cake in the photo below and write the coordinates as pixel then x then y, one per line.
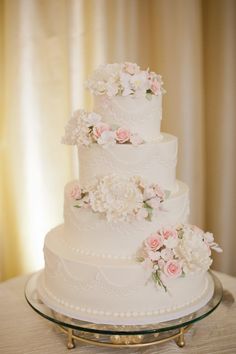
pixel 114 291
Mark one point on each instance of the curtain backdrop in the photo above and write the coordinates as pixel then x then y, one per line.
pixel 49 47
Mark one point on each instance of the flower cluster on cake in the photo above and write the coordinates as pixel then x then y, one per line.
pixel 125 253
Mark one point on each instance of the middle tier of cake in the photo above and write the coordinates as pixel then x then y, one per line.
pixel 118 240
pixel 154 161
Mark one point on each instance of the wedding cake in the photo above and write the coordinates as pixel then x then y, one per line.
pixel 125 253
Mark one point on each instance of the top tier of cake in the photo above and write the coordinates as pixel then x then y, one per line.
pixel 128 97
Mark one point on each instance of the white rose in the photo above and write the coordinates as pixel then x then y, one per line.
pixel 208 237
pixel 136 140
pixel 171 242
pixel 107 138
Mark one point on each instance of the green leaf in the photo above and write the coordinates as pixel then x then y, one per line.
pixel 156 277
pixel 77 206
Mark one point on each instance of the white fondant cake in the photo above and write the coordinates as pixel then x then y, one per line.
pixel 125 253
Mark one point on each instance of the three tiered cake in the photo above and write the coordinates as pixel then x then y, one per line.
pixel 125 253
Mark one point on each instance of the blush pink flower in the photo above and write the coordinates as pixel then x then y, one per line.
pixel 155 86
pixel 154 203
pixel 166 233
pixel 161 263
pixel 122 135
pixel 173 269
pixel 154 242
pixel 99 128
pixel 135 139
pixel 131 68
pixel 154 256
pixel 75 192
pixel 159 191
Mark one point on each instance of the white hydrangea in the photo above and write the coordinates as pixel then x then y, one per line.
pixel 118 198
pixel 103 80
pixel 194 252
pixel 77 130
pixel 92 118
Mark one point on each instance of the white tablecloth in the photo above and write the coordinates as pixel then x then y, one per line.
pixel 23 331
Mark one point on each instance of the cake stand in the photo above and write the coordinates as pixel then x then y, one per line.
pixel 121 336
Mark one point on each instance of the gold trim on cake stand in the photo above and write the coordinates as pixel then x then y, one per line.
pixel 121 336
pixel 124 341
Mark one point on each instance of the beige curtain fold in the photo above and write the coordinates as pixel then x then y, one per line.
pixel 49 47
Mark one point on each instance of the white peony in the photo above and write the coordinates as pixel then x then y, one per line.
pixel 194 252
pixel 118 198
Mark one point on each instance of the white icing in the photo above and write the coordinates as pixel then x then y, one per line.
pixel 140 115
pixel 121 288
pixel 155 162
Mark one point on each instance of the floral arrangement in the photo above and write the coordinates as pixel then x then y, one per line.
pixel 125 79
pixel 174 251
pixel 120 199
pixel 85 128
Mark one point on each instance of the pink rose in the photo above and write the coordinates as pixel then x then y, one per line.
pixel 154 242
pixel 173 269
pixel 131 68
pixel 155 86
pixel 122 135
pixel 75 192
pixel 99 128
pixel 166 233
pixel 154 82
pixel 135 139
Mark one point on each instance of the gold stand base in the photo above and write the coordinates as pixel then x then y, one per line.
pixel 124 341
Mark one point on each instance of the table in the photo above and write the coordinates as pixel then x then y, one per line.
pixel 22 331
